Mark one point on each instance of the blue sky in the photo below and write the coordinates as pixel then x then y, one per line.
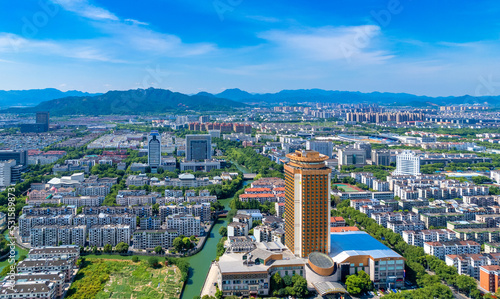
pixel 435 48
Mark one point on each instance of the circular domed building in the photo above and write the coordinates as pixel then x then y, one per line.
pixel 321 263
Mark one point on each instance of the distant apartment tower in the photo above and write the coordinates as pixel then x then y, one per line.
pixel 204 119
pixel 42 118
pixel 154 151
pixel 307 203
pixel 322 147
pixel 198 147
pixel 381 157
pixel 407 163
pixel 351 156
pixel 5 172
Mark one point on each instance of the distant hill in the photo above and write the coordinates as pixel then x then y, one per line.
pixel 235 94
pixel 335 96
pixel 32 97
pixel 138 101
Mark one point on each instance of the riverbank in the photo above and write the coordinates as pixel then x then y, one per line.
pixel 201 262
pixel 19 252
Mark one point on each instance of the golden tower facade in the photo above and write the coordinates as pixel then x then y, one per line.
pixel 307 203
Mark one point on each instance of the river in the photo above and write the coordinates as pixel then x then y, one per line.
pixel 200 262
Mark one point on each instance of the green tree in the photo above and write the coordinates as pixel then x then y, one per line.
pixel 353 284
pixel 223 231
pixel 122 247
pixel 153 261
pixel 276 282
pixel 300 286
pixel 158 249
pixel 358 283
pixel 465 283
pixel 108 248
pixel 219 294
pixel 287 280
pixel 178 244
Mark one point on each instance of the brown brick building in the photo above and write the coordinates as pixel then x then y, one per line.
pixel 307 203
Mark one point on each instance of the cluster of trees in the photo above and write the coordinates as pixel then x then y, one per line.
pixel 255 162
pixel 121 248
pixel 435 290
pixel 220 247
pixel 183 243
pixel 223 231
pixel 417 262
pixel 4 245
pixel 358 283
pixel 295 285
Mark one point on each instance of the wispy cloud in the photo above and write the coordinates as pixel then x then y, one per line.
pixel 136 22
pixel 85 9
pixel 331 43
pixel 264 19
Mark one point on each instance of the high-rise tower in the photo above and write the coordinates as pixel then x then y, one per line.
pixel 198 147
pixel 307 203
pixel 154 151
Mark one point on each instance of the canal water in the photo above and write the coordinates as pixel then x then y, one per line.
pixel 200 262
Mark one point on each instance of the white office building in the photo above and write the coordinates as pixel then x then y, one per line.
pixel 322 147
pixel 5 172
pixel 407 163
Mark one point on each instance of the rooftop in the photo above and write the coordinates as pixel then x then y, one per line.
pixel 354 243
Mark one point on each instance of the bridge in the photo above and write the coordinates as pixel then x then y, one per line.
pixel 249 176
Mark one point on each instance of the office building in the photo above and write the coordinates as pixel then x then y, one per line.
pixel 21 157
pixel 407 163
pixel 154 151
pixel 5 172
pixel 381 157
pixel 198 147
pixel 365 146
pixel 322 147
pixel 351 156
pixel 307 203
pixel 41 124
pixel 42 118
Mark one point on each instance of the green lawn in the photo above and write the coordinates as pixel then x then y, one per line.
pixel 101 278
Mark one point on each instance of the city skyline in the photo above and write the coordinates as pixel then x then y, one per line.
pixel 394 46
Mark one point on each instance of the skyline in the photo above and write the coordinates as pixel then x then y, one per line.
pixel 96 46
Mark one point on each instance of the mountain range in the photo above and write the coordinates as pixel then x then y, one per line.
pixel 137 101
pixel 143 101
pixel 335 96
pixel 31 97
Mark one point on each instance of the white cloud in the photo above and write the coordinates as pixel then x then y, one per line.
pixel 331 43
pixel 87 10
pixel 264 19
pixel 136 22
